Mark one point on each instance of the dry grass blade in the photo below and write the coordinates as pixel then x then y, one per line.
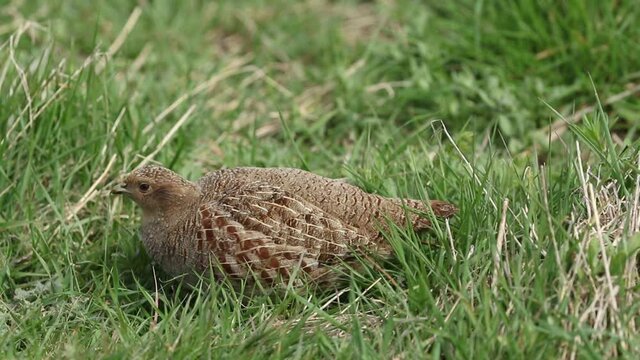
pixel 603 248
pixel 235 67
pixel 169 135
pixel 154 320
pixel 502 233
pixel 112 131
pixel 92 192
pixel 120 39
pixel 454 253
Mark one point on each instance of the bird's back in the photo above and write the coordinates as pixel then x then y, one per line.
pixel 367 212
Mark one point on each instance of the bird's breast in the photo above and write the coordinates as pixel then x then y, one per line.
pixel 168 244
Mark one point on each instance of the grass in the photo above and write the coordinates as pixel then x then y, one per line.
pixel 523 113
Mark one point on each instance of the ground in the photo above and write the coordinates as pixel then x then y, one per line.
pixel 523 113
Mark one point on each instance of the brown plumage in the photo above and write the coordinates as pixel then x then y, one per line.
pixel 273 224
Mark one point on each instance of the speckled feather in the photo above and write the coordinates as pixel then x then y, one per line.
pixel 264 223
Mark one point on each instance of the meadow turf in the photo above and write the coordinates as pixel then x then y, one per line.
pixel 523 113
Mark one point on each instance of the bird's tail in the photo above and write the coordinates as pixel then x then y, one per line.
pixel 440 208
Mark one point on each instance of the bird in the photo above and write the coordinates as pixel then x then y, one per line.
pixel 265 225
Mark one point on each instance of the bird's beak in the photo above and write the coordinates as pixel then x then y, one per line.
pixel 120 189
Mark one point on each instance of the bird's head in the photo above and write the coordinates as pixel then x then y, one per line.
pixel 157 189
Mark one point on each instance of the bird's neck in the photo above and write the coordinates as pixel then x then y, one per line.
pixel 161 231
pixel 169 218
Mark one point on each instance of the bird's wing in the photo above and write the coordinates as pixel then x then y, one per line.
pixel 266 230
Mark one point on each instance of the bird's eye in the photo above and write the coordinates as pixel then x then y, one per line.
pixel 144 187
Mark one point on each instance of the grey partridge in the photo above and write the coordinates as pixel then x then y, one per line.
pixel 269 224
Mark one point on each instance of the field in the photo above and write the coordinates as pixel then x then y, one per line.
pixel 524 113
